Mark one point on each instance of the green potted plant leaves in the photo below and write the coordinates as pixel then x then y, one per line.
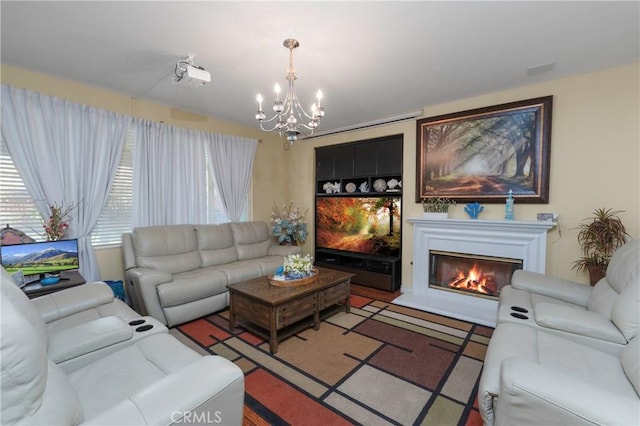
pixel 599 236
pixel 437 207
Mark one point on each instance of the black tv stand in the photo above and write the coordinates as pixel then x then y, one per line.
pixel 382 272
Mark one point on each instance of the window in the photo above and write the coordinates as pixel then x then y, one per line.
pixel 117 213
pixel 18 209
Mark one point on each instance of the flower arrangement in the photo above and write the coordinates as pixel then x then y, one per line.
pixel 288 224
pixel 57 227
pixel 297 266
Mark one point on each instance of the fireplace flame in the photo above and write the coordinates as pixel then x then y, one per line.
pixel 474 281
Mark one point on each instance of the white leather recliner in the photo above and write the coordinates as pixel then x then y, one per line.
pixel 604 317
pixel 153 380
pixel 566 353
pixel 532 377
pixel 82 323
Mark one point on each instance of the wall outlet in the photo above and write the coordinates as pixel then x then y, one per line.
pixel 553 217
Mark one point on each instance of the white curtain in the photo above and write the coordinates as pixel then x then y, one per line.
pixel 231 164
pixel 66 153
pixel 169 180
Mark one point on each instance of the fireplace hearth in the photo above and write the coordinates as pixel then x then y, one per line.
pixel 516 244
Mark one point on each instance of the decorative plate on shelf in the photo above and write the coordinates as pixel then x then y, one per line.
pixel 350 187
pixel 380 185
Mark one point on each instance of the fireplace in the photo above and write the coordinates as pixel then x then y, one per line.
pixel 482 276
pixel 517 244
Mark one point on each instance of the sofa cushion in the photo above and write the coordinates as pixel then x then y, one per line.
pixel 120 375
pixel 192 285
pixel 18 298
pixel 169 248
pixel 33 387
pixel 241 270
pixel 602 298
pixel 216 244
pixel 630 359
pixel 269 264
pixel 252 239
pixel 516 341
pixel 623 274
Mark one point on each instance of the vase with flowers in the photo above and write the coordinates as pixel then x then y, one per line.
pixel 296 270
pixel 57 226
pixel 289 225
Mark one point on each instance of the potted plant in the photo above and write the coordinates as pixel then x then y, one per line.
pixel 599 236
pixel 437 207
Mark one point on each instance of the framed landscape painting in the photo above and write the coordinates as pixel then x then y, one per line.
pixel 481 154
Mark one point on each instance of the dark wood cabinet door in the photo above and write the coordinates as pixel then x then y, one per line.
pixel 365 159
pixel 389 157
pixel 324 163
pixel 343 161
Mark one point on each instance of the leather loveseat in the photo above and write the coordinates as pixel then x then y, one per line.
pixel 569 354
pixel 177 273
pixel 88 366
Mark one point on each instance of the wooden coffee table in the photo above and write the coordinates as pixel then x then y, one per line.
pixel 279 312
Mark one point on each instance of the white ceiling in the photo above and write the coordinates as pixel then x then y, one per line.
pixel 371 59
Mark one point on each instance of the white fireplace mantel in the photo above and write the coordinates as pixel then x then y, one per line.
pixel 515 239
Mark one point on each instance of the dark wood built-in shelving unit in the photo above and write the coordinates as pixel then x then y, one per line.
pixel 367 168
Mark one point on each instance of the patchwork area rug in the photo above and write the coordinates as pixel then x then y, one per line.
pixel 380 364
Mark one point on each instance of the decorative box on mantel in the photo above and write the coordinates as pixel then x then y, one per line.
pixel 477 243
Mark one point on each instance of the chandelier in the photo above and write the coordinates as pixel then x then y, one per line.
pixel 289 117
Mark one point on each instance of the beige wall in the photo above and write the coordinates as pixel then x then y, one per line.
pixel 594 160
pixel 594 155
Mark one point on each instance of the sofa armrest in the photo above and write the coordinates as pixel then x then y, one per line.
pixel 210 390
pixel 532 393
pixel 72 300
pixel 546 285
pixel 145 281
pixel 577 321
pixel 87 337
pixel 284 250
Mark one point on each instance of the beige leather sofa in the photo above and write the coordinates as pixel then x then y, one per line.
pixel 103 376
pixel 177 273
pixel 570 353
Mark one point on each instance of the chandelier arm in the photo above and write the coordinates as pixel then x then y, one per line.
pixel 269 129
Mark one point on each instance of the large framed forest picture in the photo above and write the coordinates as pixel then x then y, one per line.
pixel 481 154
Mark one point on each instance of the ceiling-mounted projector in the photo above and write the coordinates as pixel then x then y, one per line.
pixel 186 71
pixel 198 73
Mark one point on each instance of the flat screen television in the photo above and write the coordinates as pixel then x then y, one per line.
pixel 40 258
pixel 369 225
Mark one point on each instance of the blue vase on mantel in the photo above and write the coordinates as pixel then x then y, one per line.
pixel 473 209
pixel 509 213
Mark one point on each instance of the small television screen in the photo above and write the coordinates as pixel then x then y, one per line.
pixel 40 258
pixel 369 225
